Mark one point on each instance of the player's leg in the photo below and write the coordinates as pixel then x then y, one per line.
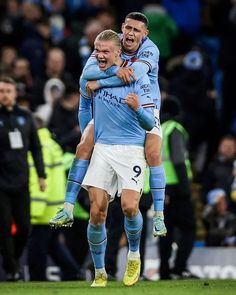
pixel 96 233
pixel 131 172
pixel 153 146
pixel 133 223
pixel 75 178
pixel 100 182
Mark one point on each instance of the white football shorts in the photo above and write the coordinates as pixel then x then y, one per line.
pixel 157 128
pixel 116 167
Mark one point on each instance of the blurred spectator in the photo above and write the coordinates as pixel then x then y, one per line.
pixel 54 90
pixel 64 123
pixel 179 213
pixel 191 82
pixel 34 35
pixel 219 173
pixel 43 240
pixel 219 222
pixel 7 58
pixel 86 43
pixel 17 135
pixel 227 31
pixel 124 7
pixel 107 17
pixel 162 29
pixel 88 9
pixel 187 16
pixel 58 17
pixel 55 68
pixel 70 47
pixel 9 15
pixel 22 76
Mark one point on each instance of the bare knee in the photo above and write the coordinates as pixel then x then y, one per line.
pixel 153 157
pixel 97 215
pixel 84 150
pixel 153 150
pixel 85 147
pixel 130 210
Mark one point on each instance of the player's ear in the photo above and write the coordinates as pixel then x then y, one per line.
pixel 119 51
pixel 146 32
pixel 122 27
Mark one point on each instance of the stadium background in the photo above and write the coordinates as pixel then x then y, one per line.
pixel 30 29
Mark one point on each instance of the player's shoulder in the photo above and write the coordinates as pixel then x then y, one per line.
pixel 144 79
pixel 148 44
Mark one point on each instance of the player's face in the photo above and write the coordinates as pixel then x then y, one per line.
pixel 106 53
pixel 133 33
pixel 7 94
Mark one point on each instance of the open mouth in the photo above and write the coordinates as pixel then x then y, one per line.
pixel 129 41
pixel 102 64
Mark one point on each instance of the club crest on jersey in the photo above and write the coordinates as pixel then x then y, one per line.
pixel 20 120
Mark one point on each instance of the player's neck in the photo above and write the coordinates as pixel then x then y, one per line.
pixel 119 62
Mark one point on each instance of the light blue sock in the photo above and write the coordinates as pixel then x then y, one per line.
pixel 75 179
pixel 157 186
pixel 133 229
pixel 97 239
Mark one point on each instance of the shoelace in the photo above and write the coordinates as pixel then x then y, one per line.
pixel 158 223
pixel 132 265
pixel 59 210
pixel 100 276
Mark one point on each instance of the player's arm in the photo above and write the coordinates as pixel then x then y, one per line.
pixel 146 60
pixel 113 77
pixel 124 75
pixel 142 103
pixel 145 116
pixel 91 71
pixel 85 107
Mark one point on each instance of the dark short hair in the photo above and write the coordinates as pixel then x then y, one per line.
pixel 8 80
pixel 138 16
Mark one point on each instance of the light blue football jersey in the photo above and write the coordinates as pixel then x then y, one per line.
pixel 144 60
pixel 148 53
pixel 114 121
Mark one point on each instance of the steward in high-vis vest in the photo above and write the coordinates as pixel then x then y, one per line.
pixel 175 171
pixel 45 204
pixel 178 209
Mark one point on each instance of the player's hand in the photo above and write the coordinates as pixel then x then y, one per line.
pixel 132 101
pixel 42 184
pixel 126 75
pixel 91 87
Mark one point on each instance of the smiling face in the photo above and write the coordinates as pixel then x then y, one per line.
pixel 133 33
pixel 107 53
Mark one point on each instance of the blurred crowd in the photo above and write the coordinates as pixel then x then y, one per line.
pixel 44 45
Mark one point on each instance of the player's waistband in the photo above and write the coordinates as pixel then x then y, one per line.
pixel 121 147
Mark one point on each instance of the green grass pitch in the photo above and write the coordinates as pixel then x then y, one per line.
pixel 188 287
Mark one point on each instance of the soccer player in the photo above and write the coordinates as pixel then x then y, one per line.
pixel 137 47
pixel 118 162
